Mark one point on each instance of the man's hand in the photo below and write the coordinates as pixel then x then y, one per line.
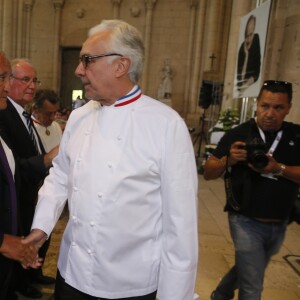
pixel 271 167
pixel 48 157
pixel 36 237
pixel 215 167
pixel 26 253
pixel 237 153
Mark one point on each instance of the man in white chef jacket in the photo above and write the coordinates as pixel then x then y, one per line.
pixel 127 167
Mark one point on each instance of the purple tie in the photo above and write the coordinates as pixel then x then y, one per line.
pixel 12 188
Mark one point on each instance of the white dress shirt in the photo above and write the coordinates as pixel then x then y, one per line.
pixel 130 178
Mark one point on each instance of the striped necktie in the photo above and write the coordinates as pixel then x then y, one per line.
pixel 30 129
pixel 12 188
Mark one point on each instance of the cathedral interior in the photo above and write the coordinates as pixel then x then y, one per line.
pixel 191 60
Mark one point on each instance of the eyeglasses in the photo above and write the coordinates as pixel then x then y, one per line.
pixel 86 59
pixel 4 77
pixel 28 80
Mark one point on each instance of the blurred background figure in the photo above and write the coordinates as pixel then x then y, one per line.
pixel 44 108
pixel 62 123
pixel 63 113
pixel 78 103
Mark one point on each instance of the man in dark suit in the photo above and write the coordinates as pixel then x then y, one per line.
pixel 11 246
pixel 34 162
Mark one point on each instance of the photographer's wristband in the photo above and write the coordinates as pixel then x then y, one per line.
pixel 280 171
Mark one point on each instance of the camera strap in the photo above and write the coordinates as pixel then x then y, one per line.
pixel 271 150
pixel 275 143
pixel 228 189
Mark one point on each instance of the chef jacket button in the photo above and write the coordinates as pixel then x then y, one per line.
pixel 109 165
pixel 119 138
pixel 73 244
pixel 100 195
pixel 89 251
pixel 74 218
pixel 92 224
pixel 75 189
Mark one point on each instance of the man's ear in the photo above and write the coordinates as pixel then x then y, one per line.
pixel 122 66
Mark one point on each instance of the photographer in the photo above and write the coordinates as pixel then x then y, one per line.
pixel 262 163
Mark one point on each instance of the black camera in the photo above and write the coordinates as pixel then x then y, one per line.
pixel 256 153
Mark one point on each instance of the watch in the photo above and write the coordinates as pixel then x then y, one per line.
pixel 280 171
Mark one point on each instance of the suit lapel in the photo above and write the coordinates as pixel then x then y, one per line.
pixel 18 128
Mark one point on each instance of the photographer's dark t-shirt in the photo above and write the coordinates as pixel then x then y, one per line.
pixel 263 197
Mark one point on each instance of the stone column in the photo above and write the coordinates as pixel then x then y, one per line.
pixel 147 39
pixel 58 5
pixel 7 25
pixel 194 4
pixel 19 46
pixel 197 58
pixel 1 23
pixel 215 26
pixel 5 16
pixel 116 8
pixel 290 58
pixel 28 5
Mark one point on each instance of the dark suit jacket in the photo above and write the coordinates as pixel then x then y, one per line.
pixel 31 164
pixel 6 265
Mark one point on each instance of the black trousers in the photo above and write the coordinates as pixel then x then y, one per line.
pixel 63 291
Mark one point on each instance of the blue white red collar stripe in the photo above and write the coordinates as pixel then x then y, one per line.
pixel 129 98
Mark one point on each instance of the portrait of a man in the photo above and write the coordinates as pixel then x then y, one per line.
pixel 249 58
pixel 250 51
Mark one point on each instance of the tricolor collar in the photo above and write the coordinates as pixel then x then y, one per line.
pixel 132 96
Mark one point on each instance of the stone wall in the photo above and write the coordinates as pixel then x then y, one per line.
pixel 198 38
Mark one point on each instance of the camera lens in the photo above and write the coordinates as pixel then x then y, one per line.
pixel 259 160
pixel 256 153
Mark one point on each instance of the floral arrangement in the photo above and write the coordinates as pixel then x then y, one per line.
pixel 228 119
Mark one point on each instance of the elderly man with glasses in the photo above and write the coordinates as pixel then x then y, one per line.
pixel 261 162
pixel 25 142
pixel 126 164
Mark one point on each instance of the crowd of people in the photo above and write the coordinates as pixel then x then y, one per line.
pixel 125 165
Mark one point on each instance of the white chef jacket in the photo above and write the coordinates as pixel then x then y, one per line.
pixel 130 178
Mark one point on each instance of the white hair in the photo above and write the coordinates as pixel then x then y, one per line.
pixel 125 40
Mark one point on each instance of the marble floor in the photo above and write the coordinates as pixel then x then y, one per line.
pixel 216 251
